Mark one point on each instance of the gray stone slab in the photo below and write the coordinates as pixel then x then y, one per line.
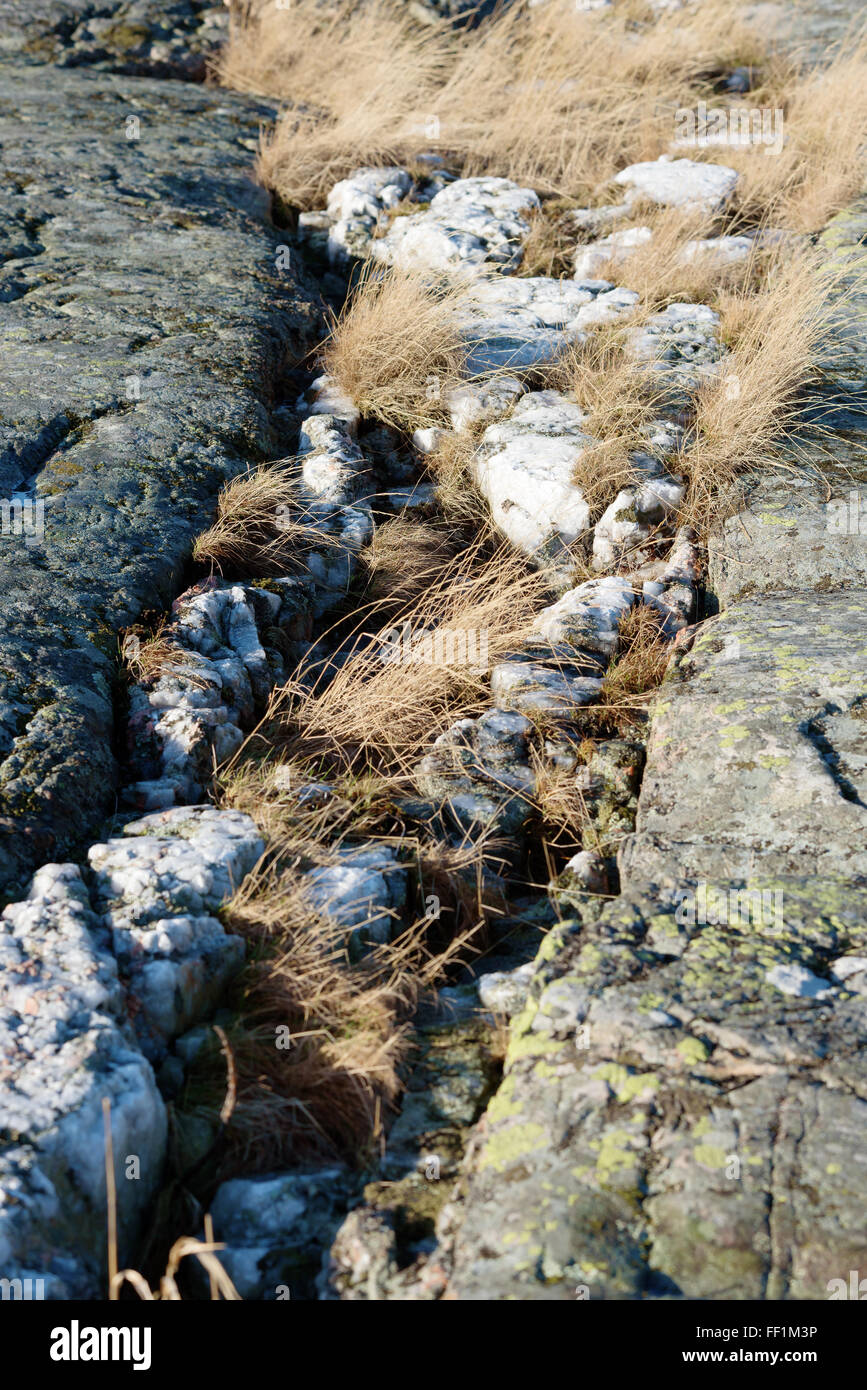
pixel 145 326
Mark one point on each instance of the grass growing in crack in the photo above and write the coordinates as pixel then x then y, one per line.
pixel 565 819
pixel 620 402
pixel 384 704
pixel 450 465
pixel 549 246
pixel 405 557
pixel 151 655
pixel 633 675
pixel 321 1043
pixel 560 101
pixel 311 820
pixel 396 348
pixel 741 421
pixel 358 731
pixel 669 267
pixel 560 808
pixel 261 527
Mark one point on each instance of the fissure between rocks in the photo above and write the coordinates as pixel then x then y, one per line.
pixel 136 944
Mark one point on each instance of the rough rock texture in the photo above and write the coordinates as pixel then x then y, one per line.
pixel 769 705
pixel 94 981
pixel 276 1229
pixel 469 223
pixel 364 891
pixel 479 770
pixel 190 859
pixel 517 324
pixel 145 38
pixel 193 711
pixel 355 206
pixel 588 616
pixel 126 401
pixel 524 467
pixel 65 1044
pixel 333 479
pixel 682 349
pixel 684 183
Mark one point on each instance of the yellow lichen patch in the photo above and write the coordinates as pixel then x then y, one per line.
pixel 732 734
pixel 503 1106
pixel 710 1156
pixel 530 1045
pixel 589 960
pixel 511 1145
pixel 693 1051
pixel 626 1086
pixel 615 1154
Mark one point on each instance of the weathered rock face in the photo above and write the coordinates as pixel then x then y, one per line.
pixel 145 329
pixel 470 222
pixel 65 1045
pixel 768 707
pixel 679 183
pixel 672 1121
pixel 145 38
pixel 518 324
pixel 684 1106
pixel 275 1227
pixel 97 978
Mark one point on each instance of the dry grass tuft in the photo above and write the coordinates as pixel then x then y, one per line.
pixel 357 805
pixel 396 347
pixel 553 97
pixel 549 247
pixel 149 656
pixel 456 490
pixel 323 1042
pixel 822 163
pixel 742 419
pixel 403 559
pixel 661 273
pixel 344 1048
pixel 633 675
pixel 167 1290
pixel 392 697
pixel 560 99
pixel 620 401
pixel 549 96
pixel 361 80
pixel 560 808
pixel 261 527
